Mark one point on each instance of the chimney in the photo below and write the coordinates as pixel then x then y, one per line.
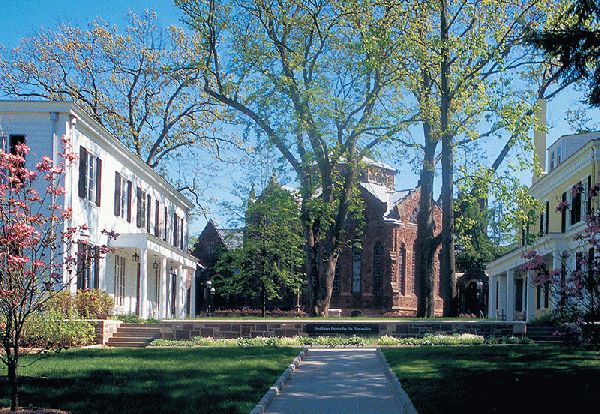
pixel 539 140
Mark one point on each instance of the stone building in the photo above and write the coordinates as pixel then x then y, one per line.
pixel 376 276
pixel 212 241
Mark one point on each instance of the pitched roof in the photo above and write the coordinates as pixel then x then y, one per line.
pixel 232 238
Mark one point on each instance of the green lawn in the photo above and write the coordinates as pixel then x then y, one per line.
pixel 207 380
pixel 499 379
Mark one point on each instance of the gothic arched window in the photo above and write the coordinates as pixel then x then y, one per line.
pixel 356 274
pixel 336 279
pixel 402 269
pixel 377 268
pixel 413 216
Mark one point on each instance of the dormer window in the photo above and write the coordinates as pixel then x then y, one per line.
pixel 558 156
pixel 552 160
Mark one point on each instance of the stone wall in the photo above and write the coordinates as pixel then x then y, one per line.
pixel 105 329
pixel 287 328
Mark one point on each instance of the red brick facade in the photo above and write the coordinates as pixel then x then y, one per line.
pixel 385 255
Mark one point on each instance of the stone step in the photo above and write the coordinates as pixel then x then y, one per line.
pixel 139 325
pixel 127 344
pixel 132 329
pixel 120 334
pixel 132 339
pixel 139 332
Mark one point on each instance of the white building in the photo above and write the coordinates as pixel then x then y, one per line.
pixel 573 165
pixel 148 270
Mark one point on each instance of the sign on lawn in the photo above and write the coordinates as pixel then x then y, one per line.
pixel 342 328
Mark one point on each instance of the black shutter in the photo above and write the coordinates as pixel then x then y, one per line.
pixel 117 194
pixel 547 217
pixel 563 213
pixel 181 233
pixel 82 171
pixel 98 181
pixel 129 190
pixel 139 201
pixel 589 196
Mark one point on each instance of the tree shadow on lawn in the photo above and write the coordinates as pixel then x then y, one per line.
pixel 499 379
pixel 153 380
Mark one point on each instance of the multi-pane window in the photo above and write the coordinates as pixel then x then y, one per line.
pixel 402 266
pixel 157 219
pixel 576 191
pixel 414 269
pixel 90 176
pixel 123 189
pixel 336 279
pixel 377 268
pixel 356 269
pixel 119 280
pixel 175 230
pixel 140 217
pixel 148 214
pixel 518 295
pixel 166 224
pixel 87 266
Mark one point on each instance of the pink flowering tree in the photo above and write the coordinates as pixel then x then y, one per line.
pixel 35 246
pixel 575 284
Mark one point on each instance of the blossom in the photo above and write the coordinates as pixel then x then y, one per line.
pixel 562 206
pixel 17 260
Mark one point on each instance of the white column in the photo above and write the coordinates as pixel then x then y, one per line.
pixel 492 305
pixel 193 295
pixel 530 288
pixel 510 294
pixel 180 297
pixel 144 283
pixel 555 290
pixel 164 300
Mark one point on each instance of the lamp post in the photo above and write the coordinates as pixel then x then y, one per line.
pixel 480 297
pixel 209 290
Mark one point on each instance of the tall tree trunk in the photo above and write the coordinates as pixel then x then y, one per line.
pixel 448 263
pixel 328 274
pixel 12 380
pixel 426 242
pixel 264 300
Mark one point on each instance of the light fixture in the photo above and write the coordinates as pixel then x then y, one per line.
pixel 208 284
pixel 171 269
pixel 135 257
pixel 212 291
pixel 155 265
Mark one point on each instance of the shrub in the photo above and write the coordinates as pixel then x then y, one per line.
pixel 61 302
pixel 545 319
pixel 508 340
pixel 54 329
pixel 93 304
pixel 134 319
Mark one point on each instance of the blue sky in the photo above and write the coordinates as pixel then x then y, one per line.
pixel 20 18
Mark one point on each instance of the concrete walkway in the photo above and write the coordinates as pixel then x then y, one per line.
pixel 345 381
